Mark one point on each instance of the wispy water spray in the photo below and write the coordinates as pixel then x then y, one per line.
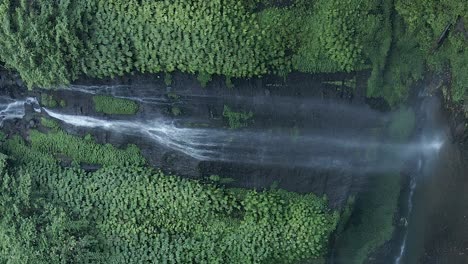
pixel 410 203
pixel 257 147
pixel 288 105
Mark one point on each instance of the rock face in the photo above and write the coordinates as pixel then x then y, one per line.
pixel 201 107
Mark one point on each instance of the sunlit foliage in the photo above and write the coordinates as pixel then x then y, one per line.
pixel 114 106
pixel 133 214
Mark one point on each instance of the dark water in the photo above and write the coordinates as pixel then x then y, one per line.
pixel 438 224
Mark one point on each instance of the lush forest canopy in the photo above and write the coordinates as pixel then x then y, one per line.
pixel 128 213
pixel 54 42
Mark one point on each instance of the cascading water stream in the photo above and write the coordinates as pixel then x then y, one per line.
pixel 413 182
pixel 430 129
pixel 11 108
pixel 314 150
pixel 210 144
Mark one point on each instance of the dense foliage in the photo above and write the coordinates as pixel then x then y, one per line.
pixel 112 105
pixel 53 42
pixel 134 214
pixel 426 20
pixel 33 230
pixel 85 150
pixel 43 40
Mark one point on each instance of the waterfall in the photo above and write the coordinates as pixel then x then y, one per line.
pixel 257 147
pixel 12 109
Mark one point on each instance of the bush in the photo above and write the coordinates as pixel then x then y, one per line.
pixel 237 119
pixel 167 79
pixel 87 151
pixel 114 106
pixel 48 100
pixel 204 78
pixel 51 43
pixel 50 123
pixel 35 229
pixel 176 111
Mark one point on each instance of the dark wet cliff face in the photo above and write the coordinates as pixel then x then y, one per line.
pixel 300 106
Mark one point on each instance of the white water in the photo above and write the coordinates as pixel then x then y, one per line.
pixel 321 151
pixel 11 108
pixel 432 127
pixel 317 151
pixel 410 209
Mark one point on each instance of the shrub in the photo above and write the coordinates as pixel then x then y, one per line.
pixel 87 151
pixel 50 123
pixel 117 106
pixel 204 78
pixel 167 79
pixel 48 100
pixel 176 111
pixel 237 119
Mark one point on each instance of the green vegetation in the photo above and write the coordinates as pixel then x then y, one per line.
pixel 173 96
pixel 346 214
pixel 43 41
pixel 237 119
pixel 176 111
pixel 114 106
pixel 48 100
pixel 204 78
pixel 50 123
pixel 426 21
pixel 220 180
pixel 133 214
pixel 373 226
pixel 61 143
pixel 399 68
pixel 237 39
pixel 167 79
pixel 34 230
pixel 229 83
